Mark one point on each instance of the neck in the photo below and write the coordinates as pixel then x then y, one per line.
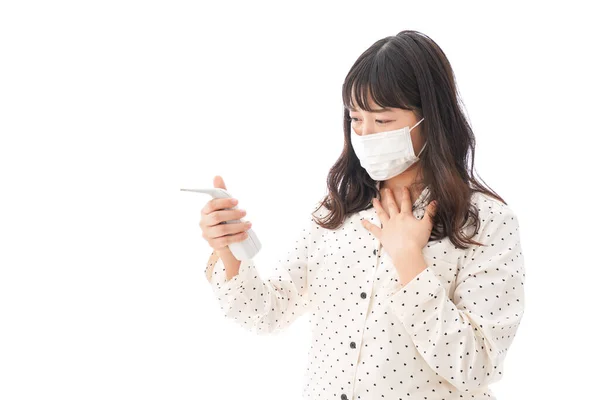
pixel 407 178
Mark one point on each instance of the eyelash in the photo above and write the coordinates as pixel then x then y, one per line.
pixel 377 120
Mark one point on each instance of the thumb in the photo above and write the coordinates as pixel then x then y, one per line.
pixel 218 182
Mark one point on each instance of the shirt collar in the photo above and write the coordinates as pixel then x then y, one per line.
pixel 421 201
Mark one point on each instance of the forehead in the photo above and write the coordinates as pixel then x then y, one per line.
pixel 353 106
pixel 374 107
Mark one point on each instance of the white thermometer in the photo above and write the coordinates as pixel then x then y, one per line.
pixel 247 248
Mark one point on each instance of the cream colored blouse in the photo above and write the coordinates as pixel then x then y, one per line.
pixel 443 335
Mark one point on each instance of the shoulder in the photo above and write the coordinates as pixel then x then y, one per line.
pixel 487 204
pixel 318 214
pixel 318 211
pixel 493 213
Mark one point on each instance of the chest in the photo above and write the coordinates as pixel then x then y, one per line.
pixel 354 266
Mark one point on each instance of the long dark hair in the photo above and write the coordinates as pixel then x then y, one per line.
pixel 411 72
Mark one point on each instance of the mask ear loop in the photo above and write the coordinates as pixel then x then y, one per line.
pixel 422 148
pixel 416 124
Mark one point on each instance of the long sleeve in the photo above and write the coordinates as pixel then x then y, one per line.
pixel 465 338
pixel 266 305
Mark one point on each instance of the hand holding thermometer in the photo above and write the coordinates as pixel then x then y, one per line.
pixel 247 248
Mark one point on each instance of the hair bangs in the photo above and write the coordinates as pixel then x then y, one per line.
pixel 376 78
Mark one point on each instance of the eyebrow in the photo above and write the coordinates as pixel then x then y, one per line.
pixel 380 110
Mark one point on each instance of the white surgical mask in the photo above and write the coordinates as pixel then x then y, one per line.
pixel 385 154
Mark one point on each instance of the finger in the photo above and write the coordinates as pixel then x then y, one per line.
pixel 219 182
pixel 374 229
pixel 392 205
pixel 228 239
pixel 406 204
pixel 220 216
pixel 220 230
pixel 218 204
pixel 381 213
pixel 430 211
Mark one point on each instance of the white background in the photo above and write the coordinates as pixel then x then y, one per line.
pixel 108 108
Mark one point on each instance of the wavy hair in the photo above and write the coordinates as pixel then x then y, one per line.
pixel 411 72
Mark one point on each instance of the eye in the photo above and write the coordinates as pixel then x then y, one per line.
pixel 379 121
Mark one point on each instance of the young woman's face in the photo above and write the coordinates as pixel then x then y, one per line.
pixel 366 123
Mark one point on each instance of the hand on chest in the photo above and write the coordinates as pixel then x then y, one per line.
pixel 354 262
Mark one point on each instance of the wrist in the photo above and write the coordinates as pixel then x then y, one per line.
pixel 224 251
pixel 409 262
pixel 407 251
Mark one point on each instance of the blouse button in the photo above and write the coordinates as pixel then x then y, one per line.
pixel 352 345
pixel 374 251
pixel 344 397
pixel 363 295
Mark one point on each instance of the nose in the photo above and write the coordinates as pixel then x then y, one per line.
pixel 363 130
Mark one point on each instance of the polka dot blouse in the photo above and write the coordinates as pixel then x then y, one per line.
pixel 443 335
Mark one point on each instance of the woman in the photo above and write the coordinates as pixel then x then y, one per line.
pixel 409 298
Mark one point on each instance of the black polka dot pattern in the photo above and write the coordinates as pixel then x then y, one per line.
pixel 443 335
